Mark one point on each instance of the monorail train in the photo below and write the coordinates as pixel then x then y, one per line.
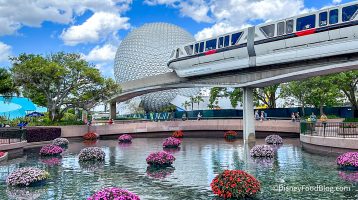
pixel 327 32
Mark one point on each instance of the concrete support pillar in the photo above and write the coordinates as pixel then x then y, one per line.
pixel 112 110
pixel 248 115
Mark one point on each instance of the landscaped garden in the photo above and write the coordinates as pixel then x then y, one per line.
pixel 200 169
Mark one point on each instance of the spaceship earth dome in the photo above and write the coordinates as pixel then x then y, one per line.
pixel 145 52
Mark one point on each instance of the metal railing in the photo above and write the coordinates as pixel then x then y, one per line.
pixel 12 135
pixel 330 129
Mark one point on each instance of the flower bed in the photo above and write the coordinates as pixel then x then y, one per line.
pixel 262 151
pixel 50 150
pixel 178 134
pixel 91 154
pixel 273 139
pixel 160 159
pixel 125 138
pixel 62 142
pixel 230 135
pixel 348 160
pixel 91 136
pixel 235 184
pixel 27 176
pixel 171 142
pixel 112 193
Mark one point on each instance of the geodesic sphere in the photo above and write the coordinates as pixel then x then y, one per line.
pixel 145 52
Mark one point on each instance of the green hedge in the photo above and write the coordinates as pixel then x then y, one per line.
pixel 351 120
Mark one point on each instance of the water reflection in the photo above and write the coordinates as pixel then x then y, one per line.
pixel 350 176
pixel 197 163
pixel 159 173
pixel 171 150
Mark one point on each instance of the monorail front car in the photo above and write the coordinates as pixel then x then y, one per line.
pixel 328 32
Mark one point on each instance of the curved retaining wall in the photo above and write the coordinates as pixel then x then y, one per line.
pixel 148 129
pixel 328 145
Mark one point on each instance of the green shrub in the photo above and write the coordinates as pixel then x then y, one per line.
pixel 350 120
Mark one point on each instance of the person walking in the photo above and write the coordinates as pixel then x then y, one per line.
pixel 262 116
pixel 257 116
pixel 293 117
pixel 199 116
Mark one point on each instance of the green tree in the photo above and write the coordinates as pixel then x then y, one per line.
pixel 61 81
pixel 199 99
pixel 214 94
pixel 186 104
pixel 192 101
pixel 7 86
pixel 321 92
pixel 299 90
pixel 235 96
pixel 268 95
pixel 347 82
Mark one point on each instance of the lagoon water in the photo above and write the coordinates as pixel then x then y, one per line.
pixel 292 174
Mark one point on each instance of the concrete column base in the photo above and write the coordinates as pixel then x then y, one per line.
pixel 248 117
pixel 113 110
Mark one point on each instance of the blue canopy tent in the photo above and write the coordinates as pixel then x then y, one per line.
pixel 35 114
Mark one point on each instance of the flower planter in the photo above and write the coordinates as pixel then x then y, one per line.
pixel 348 161
pixel 3 156
pixel 27 177
pixel 273 139
pixel 91 154
pixel 171 142
pixel 230 135
pixel 264 151
pixel 178 134
pixel 125 138
pixel 235 184
pixel 51 150
pixel 113 193
pixel 160 159
pixel 61 142
pixel 91 136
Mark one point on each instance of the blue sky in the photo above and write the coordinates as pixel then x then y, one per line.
pixel 95 28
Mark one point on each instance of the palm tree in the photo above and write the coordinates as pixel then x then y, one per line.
pixel 192 101
pixel 186 104
pixel 198 100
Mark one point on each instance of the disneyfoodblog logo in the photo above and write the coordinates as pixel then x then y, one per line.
pixel 308 188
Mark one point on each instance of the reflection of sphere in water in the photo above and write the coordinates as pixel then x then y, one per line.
pixel 159 173
pixel 145 52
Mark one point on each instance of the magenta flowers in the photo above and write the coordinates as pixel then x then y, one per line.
pixel 91 154
pixel 348 160
pixel 171 142
pixel 125 138
pixel 160 159
pixel 50 150
pixel 113 193
pixel 262 151
pixel 62 142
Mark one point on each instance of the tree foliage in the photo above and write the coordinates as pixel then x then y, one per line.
pixel 268 95
pixel 61 81
pixel 7 86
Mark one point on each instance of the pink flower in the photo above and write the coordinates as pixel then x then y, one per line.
pixel 159 159
pixel 171 142
pixel 50 149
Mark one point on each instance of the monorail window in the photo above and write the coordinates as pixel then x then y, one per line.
pixel 196 48
pixel 349 12
pixel 227 41
pixel 178 53
pixel 235 38
pixel 306 22
pixel 201 47
pixel 323 19
pixel 289 26
pixel 189 49
pixel 221 42
pixel 268 30
pixel 210 45
pixel 281 28
pixel 333 16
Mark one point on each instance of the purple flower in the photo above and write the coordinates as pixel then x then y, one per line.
pixel 348 159
pixel 60 142
pixel 50 149
pixel 26 176
pixel 91 154
pixel 125 138
pixel 273 139
pixel 161 158
pixel 113 193
pixel 262 151
pixel 171 142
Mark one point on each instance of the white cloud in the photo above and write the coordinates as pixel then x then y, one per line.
pixel 17 13
pixel 336 1
pixel 106 52
pixel 5 52
pixel 216 29
pixel 99 26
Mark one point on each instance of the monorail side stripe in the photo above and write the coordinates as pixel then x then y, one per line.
pixel 274 39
